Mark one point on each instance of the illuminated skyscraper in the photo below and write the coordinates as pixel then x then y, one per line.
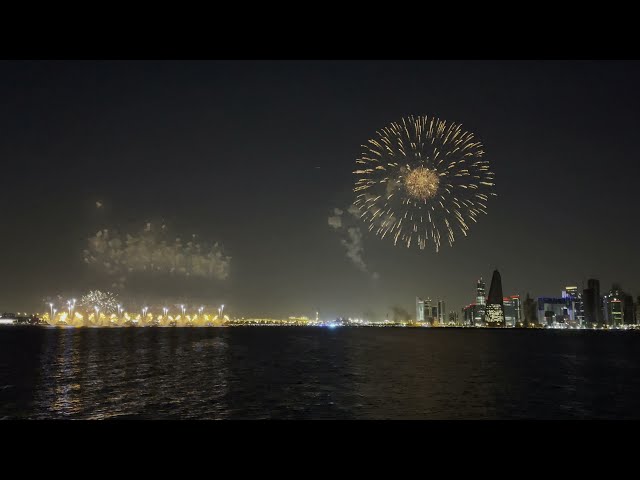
pixel 481 297
pixel 441 312
pixel 614 307
pixel 494 315
pixel 517 307
pixel 512 315
pixel 577 304
pixel 419 309
pixel 473 314
pixel 481 291
pixel 429 311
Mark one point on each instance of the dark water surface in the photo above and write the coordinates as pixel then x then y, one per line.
pixel 317 373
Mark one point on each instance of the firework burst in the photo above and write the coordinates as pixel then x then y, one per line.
pixel 422 178
pixel 106 302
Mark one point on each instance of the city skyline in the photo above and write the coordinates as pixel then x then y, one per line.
pixel 574 308
pixel 94 146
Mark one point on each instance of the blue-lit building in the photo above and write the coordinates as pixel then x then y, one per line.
pixel 553 311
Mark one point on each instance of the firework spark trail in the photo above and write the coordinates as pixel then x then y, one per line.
pixel 422 179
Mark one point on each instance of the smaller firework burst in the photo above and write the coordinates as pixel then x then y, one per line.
pixel 106 302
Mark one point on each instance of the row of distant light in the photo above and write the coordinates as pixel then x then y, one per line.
pixel 72 304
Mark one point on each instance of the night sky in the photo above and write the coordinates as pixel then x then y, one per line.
pixel 256 155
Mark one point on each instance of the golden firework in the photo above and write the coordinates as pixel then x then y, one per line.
pixel 422 183
pixel 419 177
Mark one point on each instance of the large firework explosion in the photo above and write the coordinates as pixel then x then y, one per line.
pixel 420 177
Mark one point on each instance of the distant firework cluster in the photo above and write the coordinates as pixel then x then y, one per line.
pixel 422 178
pixel 149 252
pixel 105 302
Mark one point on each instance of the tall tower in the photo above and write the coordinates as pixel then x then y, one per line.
pixel 511 310
pixel 593 303
pixel 495 308
pixel 530 313
pixel 441 312
pixel 419 309
pixel 577 306
pixel 480 292
pixel 517 308
pixel 614 306
pixel 628 310
pixel 481 300
pixel 430 311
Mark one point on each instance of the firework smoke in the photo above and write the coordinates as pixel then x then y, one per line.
pixel 148 251
pixel 351 238
pixel 400 314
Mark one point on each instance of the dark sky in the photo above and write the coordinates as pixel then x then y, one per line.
pixel 229 149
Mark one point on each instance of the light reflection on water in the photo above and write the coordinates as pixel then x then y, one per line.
pixel 346 373
pixel 149 373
